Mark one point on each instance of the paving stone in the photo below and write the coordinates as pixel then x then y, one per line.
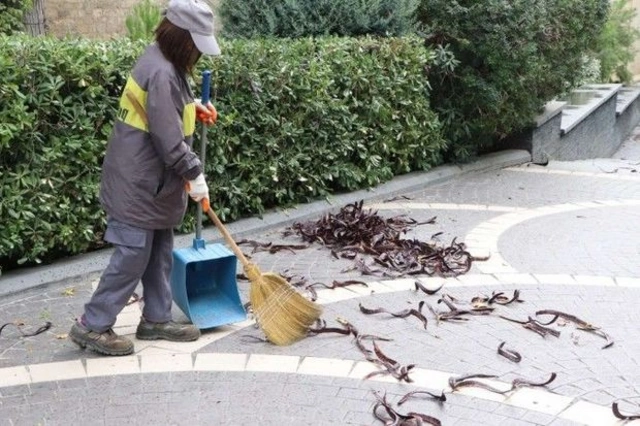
pixel 601 232
pixel 580 258
pixel 119 421
pixel 14 401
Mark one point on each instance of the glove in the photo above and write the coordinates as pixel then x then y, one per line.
pixel 206 114
pixel 198 188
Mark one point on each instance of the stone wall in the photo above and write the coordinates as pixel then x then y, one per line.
pixel 97 19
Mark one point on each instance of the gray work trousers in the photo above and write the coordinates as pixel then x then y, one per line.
pixel 140 255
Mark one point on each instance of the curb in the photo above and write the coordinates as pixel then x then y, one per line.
pixel 78 267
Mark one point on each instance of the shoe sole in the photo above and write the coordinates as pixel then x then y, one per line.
pixel 164 337
pixel 83 344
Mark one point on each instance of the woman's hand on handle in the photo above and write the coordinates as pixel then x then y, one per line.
pixel 207 113
pixel 198 189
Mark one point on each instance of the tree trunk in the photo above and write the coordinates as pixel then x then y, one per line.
pixel 34 19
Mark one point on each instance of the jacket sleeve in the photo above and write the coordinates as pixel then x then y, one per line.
pixel 164 114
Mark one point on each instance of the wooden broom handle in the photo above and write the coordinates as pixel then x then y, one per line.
pixel 227 236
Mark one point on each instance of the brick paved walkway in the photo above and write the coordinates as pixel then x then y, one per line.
pixel 565 236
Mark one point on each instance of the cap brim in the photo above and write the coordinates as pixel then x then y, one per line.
pixel 207 44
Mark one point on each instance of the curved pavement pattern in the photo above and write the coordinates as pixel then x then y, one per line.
pixel 566 236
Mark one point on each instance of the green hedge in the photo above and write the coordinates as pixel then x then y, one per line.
pixel 512 57
pixel 11 14
pixel 298 120
pixel 56 109
pixel 303 18
pixel 305 118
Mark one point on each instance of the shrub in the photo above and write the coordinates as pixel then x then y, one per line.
pixel 56 109
pixel 299 119
pixel 308 117
pixel 142 20
pixel 614 46
pixel 11 14
pixel 514 56
pixel 301 18
pixel 589 72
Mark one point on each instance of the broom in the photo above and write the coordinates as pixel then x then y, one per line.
pixel 283 314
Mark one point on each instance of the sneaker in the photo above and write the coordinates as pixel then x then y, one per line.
pixel 107 343
pixel 170 330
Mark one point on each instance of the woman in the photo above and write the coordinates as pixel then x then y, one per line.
pixel 148 161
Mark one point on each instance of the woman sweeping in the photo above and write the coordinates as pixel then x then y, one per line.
pixel 148 161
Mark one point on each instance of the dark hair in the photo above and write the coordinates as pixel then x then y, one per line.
pixel 177 46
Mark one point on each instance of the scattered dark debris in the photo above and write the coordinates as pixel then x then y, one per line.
pixel 455 313
pixel 19 324
pixel 313 294
pixel 620 168
pixel 535 326
pixel 254 339
pixel 420 286
pixel 312 291
pixel 622 416
pixel 397 198
pixel 472 309
pixel 135 297
pixel 452 315
pixel 294 280
pixel 440 398
pixel 470 380
pixel 348 328
pixel 384 412
pixel 498 298
pixel 270 247
pixel 361 266
pixel 336 284
pixel 511 355
pixel 391 366
pixel 519 383
pixel 456 383
pixel 401 314
pixel 580 324
pixel 321 327
pixel 375 355
pixel 353 232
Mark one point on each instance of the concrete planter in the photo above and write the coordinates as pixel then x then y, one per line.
pixel 592 122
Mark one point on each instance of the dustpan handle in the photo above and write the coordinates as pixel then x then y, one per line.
pixel 206 89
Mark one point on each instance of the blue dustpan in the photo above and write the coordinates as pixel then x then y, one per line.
pixel 203 282
pixel 203 278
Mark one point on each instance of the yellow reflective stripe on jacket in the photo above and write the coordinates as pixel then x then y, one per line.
pixel 133 106
pixel 133 109
pixel 189 119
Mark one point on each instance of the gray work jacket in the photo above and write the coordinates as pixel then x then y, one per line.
pixel 149 156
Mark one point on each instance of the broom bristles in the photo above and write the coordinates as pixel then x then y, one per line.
pixel 283 314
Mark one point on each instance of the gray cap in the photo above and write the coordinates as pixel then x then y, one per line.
pixel 196 17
